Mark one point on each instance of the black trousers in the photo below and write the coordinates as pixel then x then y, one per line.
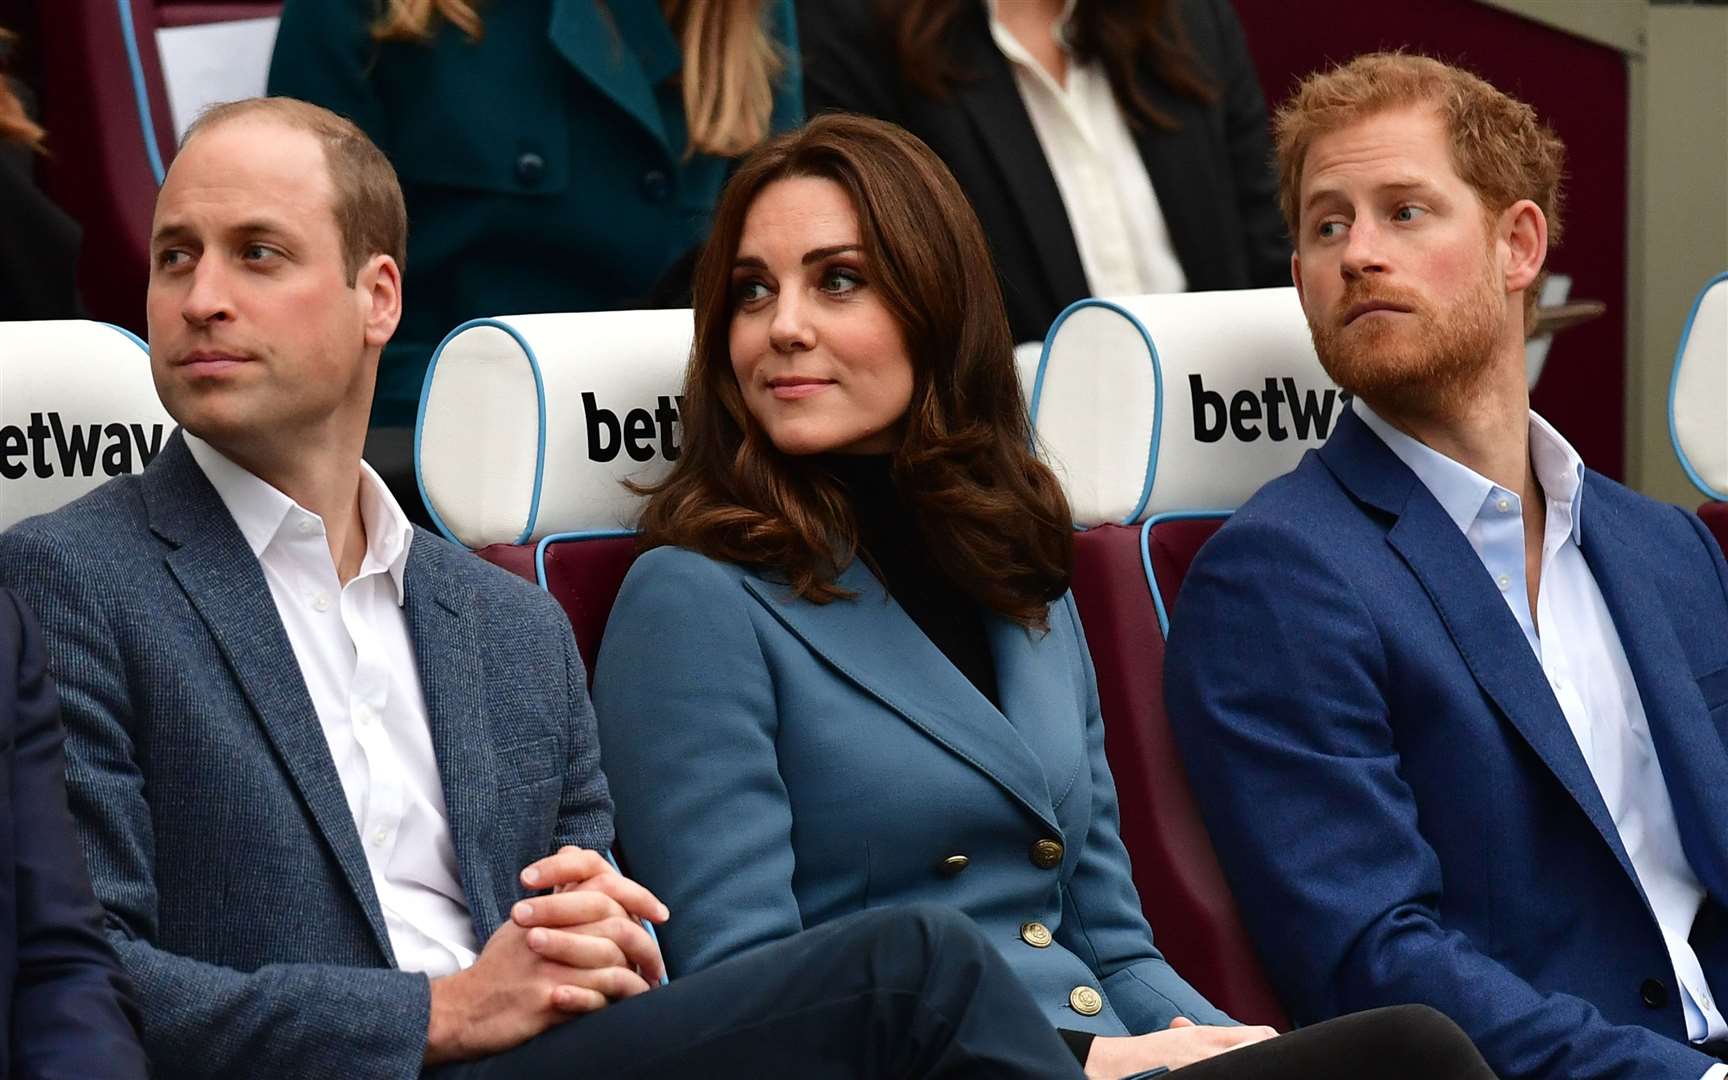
pixel 898 992
pixel 1406 1042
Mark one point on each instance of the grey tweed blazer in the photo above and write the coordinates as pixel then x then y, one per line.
pixel 208 806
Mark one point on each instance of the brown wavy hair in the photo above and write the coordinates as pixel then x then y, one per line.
pixel 992 516
pixel 730 66
pixel 1127 37
pixel 15 123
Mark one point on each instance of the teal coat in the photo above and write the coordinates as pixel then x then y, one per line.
pixel 544 166
pixel 777 764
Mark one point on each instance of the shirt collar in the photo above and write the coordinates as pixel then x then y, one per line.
pixel 261 511
pixel 1461 490
pixel 1011 46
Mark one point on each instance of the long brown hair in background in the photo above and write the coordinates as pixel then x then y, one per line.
pixel 989 512
pixel 730 61
pixel 15 124
pixel 1125 36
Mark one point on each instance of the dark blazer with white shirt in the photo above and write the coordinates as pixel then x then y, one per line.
pixel 1213 176
pixel 1396 796
pixel 213 821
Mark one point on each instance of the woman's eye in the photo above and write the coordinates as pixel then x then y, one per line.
pixel 840 281
pixel 749 292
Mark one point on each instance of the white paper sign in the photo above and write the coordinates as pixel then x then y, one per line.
pixel 214 62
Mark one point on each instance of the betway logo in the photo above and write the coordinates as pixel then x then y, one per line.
pixel 1243 414
pixel 77 449
pixel 635 434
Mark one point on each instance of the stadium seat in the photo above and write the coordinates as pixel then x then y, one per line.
pixel 106 105
pixel 1698 402
pixel 1162 414
pixel 77 406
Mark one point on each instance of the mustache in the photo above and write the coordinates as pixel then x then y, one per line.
pixel 1357 293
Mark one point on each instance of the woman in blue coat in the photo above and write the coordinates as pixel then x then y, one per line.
pixel 848 673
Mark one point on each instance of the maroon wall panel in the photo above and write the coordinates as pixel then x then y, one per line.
pixel 1580 89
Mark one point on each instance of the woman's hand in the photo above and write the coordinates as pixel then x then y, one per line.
pixel 1183 1043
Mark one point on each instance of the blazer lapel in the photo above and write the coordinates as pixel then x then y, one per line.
pixel 992 101
pixel 624 51
pixel 1482 629
pixel 221 577
pixel 1693 758
pixel 1188 188
pixel 871 641
pixel 447 647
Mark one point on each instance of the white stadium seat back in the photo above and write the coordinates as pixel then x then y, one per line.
pixel 1178 402
pixel 530 424
pixel 1698 392
pixel 77 406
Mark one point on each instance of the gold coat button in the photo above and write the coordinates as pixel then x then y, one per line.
pixel 1086 1001
pixel 1047 854
pixel 1036 934
pixel 953 864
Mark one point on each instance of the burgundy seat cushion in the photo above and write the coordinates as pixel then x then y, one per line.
pixel 1715 515
pixel 196 13
pixel 584 576
pixel 1194 918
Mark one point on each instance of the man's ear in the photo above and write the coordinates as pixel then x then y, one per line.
pixel 380 284
pixel 1296 275
pixel 1523 237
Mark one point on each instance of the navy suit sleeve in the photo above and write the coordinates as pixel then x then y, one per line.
pixel 199 1019
pixel 1274 682
pixel 688 721
pixel 1102 921
pixel 72 1015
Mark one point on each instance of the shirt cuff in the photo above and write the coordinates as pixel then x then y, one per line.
pixel 1714 1072
pixel 1080 1044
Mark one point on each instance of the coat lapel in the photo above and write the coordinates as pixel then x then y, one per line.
pixel 447 647
pixel 1188 188
pixel 1476 617
pixel 221 577
pixel 992 101
pixel 624 50
pixel 871 641
pixel 1693 758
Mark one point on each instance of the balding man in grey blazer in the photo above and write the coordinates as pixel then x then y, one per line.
pixel 336 780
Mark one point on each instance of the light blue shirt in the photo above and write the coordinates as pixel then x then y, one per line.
pixel 1575 639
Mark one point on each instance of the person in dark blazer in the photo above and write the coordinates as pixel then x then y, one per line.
pixel 326 767
pixel 39 246
pixel 66 1009
pixel 847 674
pixel 1143 90
pixel 547 148
pixel 1452 703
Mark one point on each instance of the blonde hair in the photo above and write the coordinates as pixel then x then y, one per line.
pixel 15 124
pixel 730 61
pixel 1499 146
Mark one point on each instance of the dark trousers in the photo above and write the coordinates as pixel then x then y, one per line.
pixel 1406 1042
pixel 898 992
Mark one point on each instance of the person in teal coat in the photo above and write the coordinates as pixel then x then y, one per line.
pixel 544 146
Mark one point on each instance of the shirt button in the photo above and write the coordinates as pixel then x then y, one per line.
pixel 1504 505
pixel 530 169
pixel 307 526
pixel 321 602
pixel 1504 582
pixel 380 834
pixel 364 715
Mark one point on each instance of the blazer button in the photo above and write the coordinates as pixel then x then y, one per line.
pixel 1036 934
pixel 656 186
pixel 952 865
pixel 1086 1001
pixel 530 169
pixel 1047 854
pixel 1654 993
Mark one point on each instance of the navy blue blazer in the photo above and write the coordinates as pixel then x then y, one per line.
pixel 65 1006
pixel 778 764
pixel 1394 792
pixel 214 823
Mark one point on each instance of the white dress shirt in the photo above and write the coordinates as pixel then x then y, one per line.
pixel 352 644
pixel 1574 638
pixel 1113 211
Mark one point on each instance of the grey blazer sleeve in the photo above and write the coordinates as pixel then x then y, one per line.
pixel 199 1019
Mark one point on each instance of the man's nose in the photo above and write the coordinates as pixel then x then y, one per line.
pixel 209 298
pixel 1363 249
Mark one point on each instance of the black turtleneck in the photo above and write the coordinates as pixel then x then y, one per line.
pixel 889 538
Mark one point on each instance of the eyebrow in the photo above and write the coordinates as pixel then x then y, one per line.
pixel 814 255
pixel 1401 184
pixel 254 227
